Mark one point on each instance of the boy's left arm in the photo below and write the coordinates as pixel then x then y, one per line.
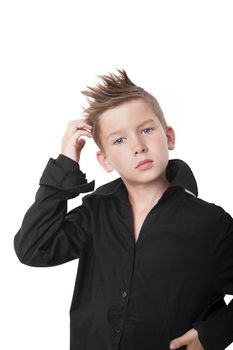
pixel 216 332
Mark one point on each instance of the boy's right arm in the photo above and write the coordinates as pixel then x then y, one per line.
pixel 49 235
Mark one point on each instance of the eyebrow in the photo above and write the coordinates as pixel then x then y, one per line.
pixel 120 130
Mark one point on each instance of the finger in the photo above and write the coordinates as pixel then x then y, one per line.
pixel 80 144
pixel 178 342
pixel 83 128
pixel 185 339
pixel 81 132
pixel 73 126
pixel 80 123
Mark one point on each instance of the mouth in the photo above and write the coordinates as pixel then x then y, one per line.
pixel 144 163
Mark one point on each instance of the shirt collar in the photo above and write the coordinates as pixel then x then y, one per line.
pixel 178 173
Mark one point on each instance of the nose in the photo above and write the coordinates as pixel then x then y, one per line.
pixel 140 148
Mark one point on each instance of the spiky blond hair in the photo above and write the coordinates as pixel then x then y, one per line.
pixel 115 90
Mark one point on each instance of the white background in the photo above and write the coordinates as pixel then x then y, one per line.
pixel 180 51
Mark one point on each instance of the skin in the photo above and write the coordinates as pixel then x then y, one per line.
pixel 72 143
pixel 133 143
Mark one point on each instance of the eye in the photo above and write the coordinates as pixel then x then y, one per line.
pixel 118 141
pixel 147 130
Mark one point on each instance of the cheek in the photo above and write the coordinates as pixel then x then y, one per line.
pixel 160 143
pixel 119 156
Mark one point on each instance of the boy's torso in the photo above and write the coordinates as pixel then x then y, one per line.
pixel 160 279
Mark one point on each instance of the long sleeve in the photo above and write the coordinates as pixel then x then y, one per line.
pixel 216 331
pixel 49 235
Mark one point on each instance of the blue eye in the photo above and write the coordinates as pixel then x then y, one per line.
pixel 117 141
pixel 147 130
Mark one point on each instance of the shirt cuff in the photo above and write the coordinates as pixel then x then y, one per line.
pixel 64 174
pixel 67 163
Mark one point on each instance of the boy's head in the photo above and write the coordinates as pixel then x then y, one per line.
pixel 128 127
pixel 114 91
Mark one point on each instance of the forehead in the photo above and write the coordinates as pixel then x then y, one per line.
pixel 126 114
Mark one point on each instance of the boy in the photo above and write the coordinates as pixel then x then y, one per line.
pixel 155 261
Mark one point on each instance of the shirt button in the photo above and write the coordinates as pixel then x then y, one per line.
pixel 118 330
pixel 124 294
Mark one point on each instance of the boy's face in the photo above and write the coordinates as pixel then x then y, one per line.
pixel 131 133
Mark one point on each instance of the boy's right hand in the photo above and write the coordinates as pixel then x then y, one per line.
pixel 71 144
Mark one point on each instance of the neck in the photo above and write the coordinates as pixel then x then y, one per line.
pixel 144 196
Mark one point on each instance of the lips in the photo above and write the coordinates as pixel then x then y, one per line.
pixel 144 162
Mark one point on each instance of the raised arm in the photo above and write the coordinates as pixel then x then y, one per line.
pixel 49 235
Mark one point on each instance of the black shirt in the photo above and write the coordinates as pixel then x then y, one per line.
pixel 134 295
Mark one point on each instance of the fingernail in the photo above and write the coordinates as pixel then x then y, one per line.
pixel 172 347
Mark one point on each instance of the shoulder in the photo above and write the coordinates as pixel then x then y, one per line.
pixel 202 206
pixel 208 210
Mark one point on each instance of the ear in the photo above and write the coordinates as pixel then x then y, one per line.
pixel 102 159
pixel 170 133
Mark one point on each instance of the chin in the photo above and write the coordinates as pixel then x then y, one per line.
pixel 144 178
